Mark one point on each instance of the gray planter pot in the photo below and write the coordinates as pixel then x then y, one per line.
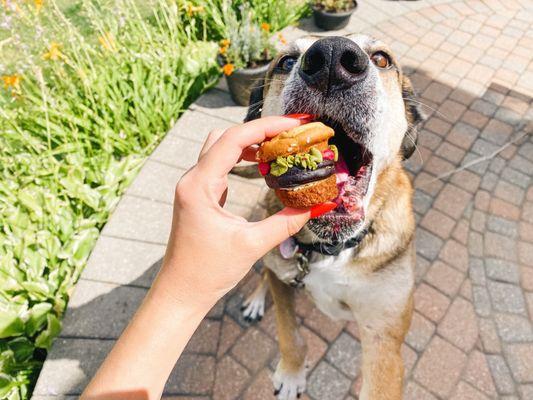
pixel 241 82
pixel 332 21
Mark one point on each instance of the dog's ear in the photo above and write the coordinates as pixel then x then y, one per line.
pixel 255 105
pixel 414 116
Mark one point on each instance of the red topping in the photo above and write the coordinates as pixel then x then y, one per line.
pixel 328 154
pixel 320 209
pixel 264 168
pixel 304 118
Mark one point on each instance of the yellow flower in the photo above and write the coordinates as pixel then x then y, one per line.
pixel 53 52
pixel 225 42
pixel 12 81
pixel 38 4
pixel 191 10
pixel 223 50
pixel 282 38
pixel 265 27
pixel 107 42
pixel 228 69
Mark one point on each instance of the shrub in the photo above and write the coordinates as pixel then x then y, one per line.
pixel 78 116
pixel 247 44
pixel 212 21
pixel 335 5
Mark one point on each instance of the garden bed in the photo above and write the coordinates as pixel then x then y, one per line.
pixel 88 91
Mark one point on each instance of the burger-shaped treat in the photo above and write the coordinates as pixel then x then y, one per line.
pixel 300 165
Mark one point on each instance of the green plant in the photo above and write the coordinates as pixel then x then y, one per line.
pixel 335 5
pixel 210 17
pixel 247 44
pixel 279 13
pixel 80 109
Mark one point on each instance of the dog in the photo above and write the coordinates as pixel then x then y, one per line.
pixel 356 262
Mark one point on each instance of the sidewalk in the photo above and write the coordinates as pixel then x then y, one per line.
pixel 472 331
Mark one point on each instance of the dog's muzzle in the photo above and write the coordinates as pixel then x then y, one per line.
pixel 332 64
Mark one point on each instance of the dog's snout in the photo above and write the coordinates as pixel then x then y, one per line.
pixel 333 63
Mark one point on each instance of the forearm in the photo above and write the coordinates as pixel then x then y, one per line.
pixel 143 357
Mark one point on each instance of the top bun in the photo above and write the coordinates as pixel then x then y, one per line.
pixel 296 140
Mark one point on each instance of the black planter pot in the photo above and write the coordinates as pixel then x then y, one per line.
pixel 332 21
pixel 241 82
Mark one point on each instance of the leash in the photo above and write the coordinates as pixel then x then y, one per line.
pixel 305 251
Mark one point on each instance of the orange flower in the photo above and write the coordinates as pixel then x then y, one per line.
pixel 107 41
pixel 282 38
pixel 12 81
pixel 38 4
pixel 225 42
pixel 228 69
pixel 53 52
pixel 191 10
pixel 265 27
pixel 223 50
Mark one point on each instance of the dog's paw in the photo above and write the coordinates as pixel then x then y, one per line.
pixel 253 307
pixel 289 385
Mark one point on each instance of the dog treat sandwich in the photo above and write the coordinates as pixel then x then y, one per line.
pixel 300 165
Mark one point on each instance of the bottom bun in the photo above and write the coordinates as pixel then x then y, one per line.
pixel 310 194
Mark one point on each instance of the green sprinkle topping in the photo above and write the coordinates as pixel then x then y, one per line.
pixel 309 160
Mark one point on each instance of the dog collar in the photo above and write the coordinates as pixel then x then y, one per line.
pixel 303 251
pixel 334 248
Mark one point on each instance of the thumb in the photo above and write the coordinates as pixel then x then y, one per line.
pixel 273 230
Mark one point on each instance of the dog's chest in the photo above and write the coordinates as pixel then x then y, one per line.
pixel 331 285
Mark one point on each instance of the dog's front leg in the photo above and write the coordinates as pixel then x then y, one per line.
pixel 382 365
pixel 290 376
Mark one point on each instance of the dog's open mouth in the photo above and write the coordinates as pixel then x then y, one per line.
pixel 353 171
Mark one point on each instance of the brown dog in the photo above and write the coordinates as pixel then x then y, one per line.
pixel 356 262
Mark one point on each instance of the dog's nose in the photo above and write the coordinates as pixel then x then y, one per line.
pixel 333 63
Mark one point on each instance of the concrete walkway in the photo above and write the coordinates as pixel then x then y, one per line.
pixel 472 334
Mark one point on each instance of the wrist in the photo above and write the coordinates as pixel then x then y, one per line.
pixel 175 291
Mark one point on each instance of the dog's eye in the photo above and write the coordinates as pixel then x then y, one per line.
pixel 286 63
pixel 380 59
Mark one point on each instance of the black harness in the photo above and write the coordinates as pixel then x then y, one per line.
pixel 305 251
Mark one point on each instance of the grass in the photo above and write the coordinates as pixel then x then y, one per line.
pixel 89 89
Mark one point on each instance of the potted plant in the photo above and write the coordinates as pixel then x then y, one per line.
pixel 333 14
pixel 245 54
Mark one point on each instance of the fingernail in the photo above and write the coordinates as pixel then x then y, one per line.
pixel 320 209
pixel 302 117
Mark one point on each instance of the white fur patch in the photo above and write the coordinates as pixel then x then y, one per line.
pixel 289 386
pixel 254 305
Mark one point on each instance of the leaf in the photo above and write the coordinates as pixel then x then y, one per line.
pixel 7 383
pixel 28 200
pixel 37 317
pixel 10 324
pixel 45 338
pixel 77 250
pixel 22 349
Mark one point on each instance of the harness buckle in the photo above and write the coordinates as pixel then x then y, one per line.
pixel 302 263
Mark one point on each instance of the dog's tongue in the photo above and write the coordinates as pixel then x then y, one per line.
pixel 343 175
pixel 349 193
pixel 288 248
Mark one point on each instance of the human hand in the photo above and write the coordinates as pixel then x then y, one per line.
pixel 210 249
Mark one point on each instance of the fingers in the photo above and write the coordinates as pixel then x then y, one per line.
pixel 273 230
pixel 248 154
pixel 213 136
pixel 227 150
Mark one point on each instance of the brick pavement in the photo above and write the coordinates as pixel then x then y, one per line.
pixel 472 333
